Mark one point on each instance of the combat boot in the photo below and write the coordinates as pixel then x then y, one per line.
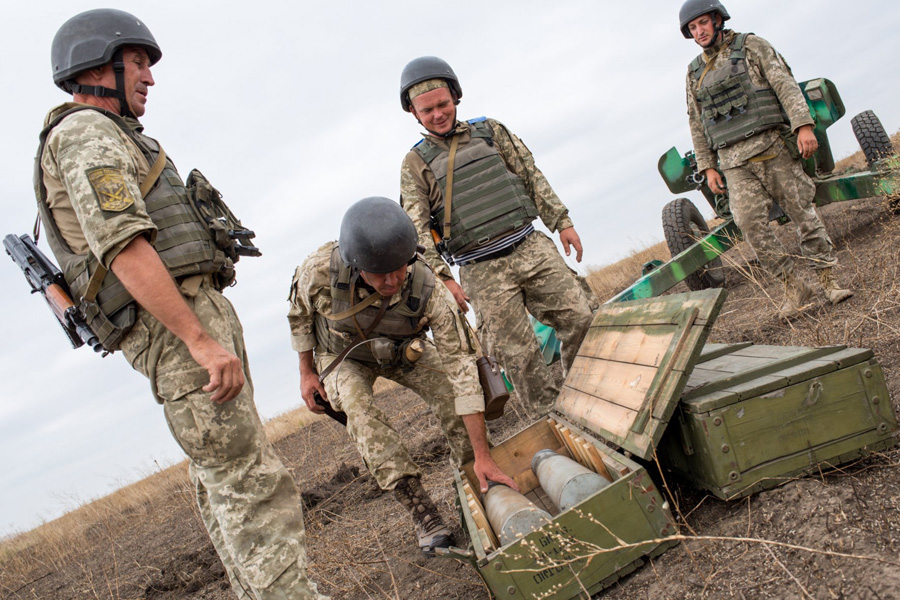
pixel 797 295
pixel 834 293
pixel 430 529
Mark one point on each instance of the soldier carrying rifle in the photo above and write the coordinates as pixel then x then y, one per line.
pixel 146 258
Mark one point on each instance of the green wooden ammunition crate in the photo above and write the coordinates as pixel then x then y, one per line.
pixel 753 417
pixel 622 387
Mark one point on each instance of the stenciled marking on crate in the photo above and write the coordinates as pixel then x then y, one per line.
pixel 552 546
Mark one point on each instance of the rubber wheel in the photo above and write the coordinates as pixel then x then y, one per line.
pixel 684 226
pixel 872 138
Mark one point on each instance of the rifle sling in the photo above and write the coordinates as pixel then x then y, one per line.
pixel 156 170
pixel 448 190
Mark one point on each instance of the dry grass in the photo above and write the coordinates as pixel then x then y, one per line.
pixel 857 162
pixel 46 548
pixel 608 280
pixel 101 521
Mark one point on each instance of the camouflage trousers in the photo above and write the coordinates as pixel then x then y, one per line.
pixel 349 388
pixel 536 279
pixel 751 189
pixel 247 498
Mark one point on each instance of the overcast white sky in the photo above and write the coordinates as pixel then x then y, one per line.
pixel 292 110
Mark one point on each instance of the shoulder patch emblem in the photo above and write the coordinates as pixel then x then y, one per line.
pixel 109 186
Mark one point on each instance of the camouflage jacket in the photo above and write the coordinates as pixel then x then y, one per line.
pixel 81 143
pixel 767 68
pixel 420 193
pixel 311 293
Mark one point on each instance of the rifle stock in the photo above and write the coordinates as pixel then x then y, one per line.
pixel 44 277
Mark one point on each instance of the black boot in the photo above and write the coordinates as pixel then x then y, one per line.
pixel 430 528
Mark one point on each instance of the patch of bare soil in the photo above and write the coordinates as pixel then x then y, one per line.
pixel 836 535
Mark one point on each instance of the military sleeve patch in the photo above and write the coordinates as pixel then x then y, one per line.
pixel 109 187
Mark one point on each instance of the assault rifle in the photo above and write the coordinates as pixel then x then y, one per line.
pixel 46 278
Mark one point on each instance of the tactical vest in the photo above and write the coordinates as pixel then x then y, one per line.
pixel 489 200
pixel 399 323
pixel 732 108
pixel 184 243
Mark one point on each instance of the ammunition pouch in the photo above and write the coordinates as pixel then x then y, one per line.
pixel 809 164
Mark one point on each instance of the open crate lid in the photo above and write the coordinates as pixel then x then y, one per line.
pixel 634 363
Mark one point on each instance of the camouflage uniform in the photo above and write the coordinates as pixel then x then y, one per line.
pixel 534 277
pixel 246 496
pixel 445 376
pixel 761 168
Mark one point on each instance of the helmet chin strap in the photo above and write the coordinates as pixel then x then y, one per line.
pixel 118 65
pixel 717 31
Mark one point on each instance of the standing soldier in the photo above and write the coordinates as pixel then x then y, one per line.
pixel 747 114
pixel 472 189
pixel 147 273
pixel 360 309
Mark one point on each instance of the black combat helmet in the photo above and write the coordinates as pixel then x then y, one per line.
pixel 425 68
pixel 377 236
pixel 92 39
pixel 692 9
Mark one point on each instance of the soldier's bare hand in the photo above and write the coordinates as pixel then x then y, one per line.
pixel 458 294
pixel 309 387
pixel 714 181
pixel 226 377
pixel 488 470
pixel 807 143
pixel 570 239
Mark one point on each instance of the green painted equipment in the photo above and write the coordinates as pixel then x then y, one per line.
pixel 753 417
pixel 623 388
pixel 696 249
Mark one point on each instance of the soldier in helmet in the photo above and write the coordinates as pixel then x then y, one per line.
pixel 148 274
pixel 472 189
pixel 749 118
pixel 360 309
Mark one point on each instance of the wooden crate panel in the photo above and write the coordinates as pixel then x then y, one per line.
pixel 763 415
pixel 644 345
pixel 581 549
pixel 635 359
pixel 804 415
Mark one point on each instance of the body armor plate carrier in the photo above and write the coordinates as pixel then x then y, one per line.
pixel 185 241
pixel 400 323
pixel 732 108
pixel 489 201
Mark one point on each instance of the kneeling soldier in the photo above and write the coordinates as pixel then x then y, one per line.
pixel 360 309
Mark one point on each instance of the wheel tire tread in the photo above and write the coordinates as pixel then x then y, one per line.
pixel 873 139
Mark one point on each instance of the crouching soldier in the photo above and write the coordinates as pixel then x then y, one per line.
pixel 360 309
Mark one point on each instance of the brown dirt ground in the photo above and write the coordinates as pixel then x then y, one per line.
pixel 361 542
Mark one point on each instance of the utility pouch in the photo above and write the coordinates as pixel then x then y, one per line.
pixel 495 393
pixel 384 350
pixel 229 234
pixel 790 142
pixel 490 376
